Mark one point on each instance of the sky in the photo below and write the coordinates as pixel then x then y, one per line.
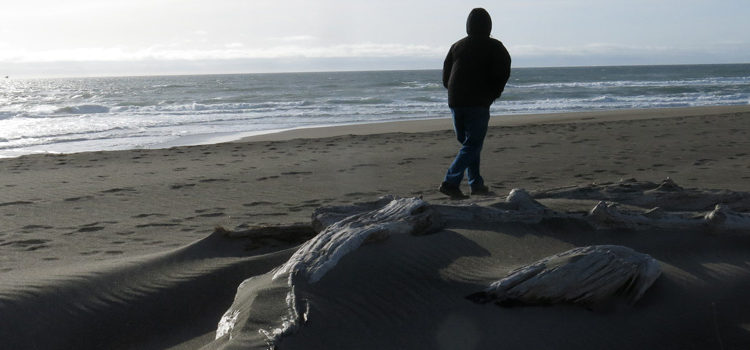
pixel 41 38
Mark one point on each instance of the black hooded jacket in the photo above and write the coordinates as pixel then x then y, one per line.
pixel 477 67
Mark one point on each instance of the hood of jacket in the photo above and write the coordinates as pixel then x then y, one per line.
pixel 479 23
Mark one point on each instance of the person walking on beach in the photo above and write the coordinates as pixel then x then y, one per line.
pixel 475 73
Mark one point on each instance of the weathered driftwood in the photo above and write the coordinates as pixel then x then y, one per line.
pixel 520 207
pixel 517 207
pixel 310 263
pixel 325 216
pixel 585 275
pixel 721 219
pixel 399 216
pixel 520 200
pixel 666 195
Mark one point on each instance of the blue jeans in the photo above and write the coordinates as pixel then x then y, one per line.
pixel 470 124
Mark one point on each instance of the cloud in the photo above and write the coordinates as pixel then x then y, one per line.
pixel 587 49
pixel 613 49
pixel 294 38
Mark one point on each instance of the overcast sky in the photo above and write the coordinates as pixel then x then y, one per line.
pixel 101 37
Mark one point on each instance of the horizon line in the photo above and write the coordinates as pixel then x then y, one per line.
pixel 4 77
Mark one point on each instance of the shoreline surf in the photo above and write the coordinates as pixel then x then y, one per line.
pixel 421 125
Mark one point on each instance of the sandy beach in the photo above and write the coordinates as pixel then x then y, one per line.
pixel 115 249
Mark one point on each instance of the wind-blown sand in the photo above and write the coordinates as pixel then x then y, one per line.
pixel 115 249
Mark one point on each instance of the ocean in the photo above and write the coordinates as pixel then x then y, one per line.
pixel 93 114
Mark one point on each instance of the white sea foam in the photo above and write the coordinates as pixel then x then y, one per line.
pixel 82 109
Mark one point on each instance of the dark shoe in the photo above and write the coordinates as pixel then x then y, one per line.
pixel 481 190
pixel 451 191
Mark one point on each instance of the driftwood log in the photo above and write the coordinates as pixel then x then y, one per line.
pixel 585 275
pixel 399 216
pixel 364 223
pixel 667 195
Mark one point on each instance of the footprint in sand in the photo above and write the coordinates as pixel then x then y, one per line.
pixel 361 194
pixel 267 177
pixel 541 144
pixel 119 190
pixel 213 180
pixel 15 203
pixel 157 224
pixel 179 186
pixel 93 227
pixel 75 199
pixel 90 252
pixel 253 204
pixel 268 214
pixel 211 215
pixel 704 161
pixel 209 209
pixel 35 227
pixel 27 244
pixel 140 216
